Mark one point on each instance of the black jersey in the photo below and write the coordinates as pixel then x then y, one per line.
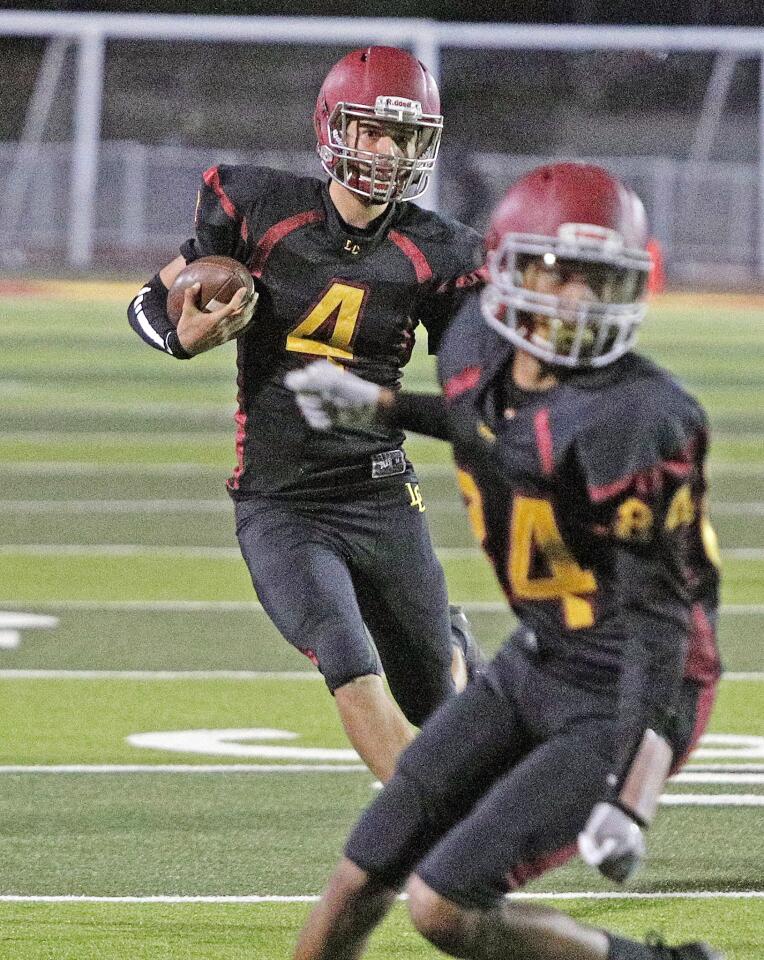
pixel 589 500
pixel 326 290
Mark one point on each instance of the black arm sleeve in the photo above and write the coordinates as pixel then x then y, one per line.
pixel 423 413
pixel 653 662
pixel 147 315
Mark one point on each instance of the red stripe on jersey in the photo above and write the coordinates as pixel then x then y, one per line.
pixel 461 382
pixel 544 440
pixel 702 664
pixel 409 249
pixel 240 417
pixel 276 233
pixel 212 178
pixel 466 280
pixel 650 480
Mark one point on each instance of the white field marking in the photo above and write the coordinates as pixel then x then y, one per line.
pixel 252 742
pixel 11 625
pixel 52 674
pixel 233 553
pixel 117 506
pixel 692 776
pixel 184 768
pixel 730 746
pixel 25 620
pixel 83 468
pixel 753 508
pixel 212 768
pixel 167 606
pixel 118 550
pixel 712 800
pixel 252 606
pixel 314 897
pixel 119 435
pixel 163 675
pixel 237 742
pixel 56 467
pixel 726 767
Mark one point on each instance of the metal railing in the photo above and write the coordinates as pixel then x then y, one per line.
pixel 704 215
pixel 734 192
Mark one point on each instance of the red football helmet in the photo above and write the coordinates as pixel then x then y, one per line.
pixel 576 219
pixel 390 86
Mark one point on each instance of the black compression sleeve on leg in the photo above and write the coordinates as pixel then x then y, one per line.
pixel 147 315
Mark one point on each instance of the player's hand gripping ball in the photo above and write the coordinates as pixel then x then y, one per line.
pixel 220 278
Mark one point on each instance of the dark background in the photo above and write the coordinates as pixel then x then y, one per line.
pixel 707 12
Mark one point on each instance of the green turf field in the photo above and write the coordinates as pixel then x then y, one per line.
pixel 119 574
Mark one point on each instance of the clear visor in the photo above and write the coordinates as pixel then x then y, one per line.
pixel 596 322
pixel 607 282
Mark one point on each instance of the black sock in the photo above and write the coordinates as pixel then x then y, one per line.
pixel 622 949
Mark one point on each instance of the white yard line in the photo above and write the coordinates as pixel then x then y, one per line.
pixel 56 467
pixel 118 550
pixel 85 468
pixel 314 898
pixel 183 768
pixel 713 799
pixel 117 506
pixel 141 675
pixel 233 553
pixel 189 435
pixel 223 505
pixel 252 606
pixel 749 774
pixel 246 675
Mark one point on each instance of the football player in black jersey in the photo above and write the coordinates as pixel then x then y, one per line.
pixel 331 525
pixel 582 465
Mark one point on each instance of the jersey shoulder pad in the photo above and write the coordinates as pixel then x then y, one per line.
pixel 452 247
pixel 236 185
pixel 469 349
pixel 241 188
pixel 628 433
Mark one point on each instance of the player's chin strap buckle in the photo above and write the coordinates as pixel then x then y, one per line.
pixel 388 464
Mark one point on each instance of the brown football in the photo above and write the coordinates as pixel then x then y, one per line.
pixel 220 278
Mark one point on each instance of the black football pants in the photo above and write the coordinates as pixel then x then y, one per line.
pixel 326 570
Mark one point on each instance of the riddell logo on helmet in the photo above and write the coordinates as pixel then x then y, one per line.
pixel 400 107
pixel 590 234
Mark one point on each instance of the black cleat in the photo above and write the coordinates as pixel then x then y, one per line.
pixel 686 951
pixel 461 635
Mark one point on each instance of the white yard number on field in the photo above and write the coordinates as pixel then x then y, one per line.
pixel 745 752
pixel 11 625
pixel 237 743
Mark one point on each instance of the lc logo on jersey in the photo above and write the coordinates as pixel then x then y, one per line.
pixel 415 497
pixel 351 247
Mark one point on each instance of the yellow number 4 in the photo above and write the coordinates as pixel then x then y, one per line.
pixel 534 526
pixel 329 327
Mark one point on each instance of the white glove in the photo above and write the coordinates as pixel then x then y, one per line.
pixel 612 842
pixel 329 396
